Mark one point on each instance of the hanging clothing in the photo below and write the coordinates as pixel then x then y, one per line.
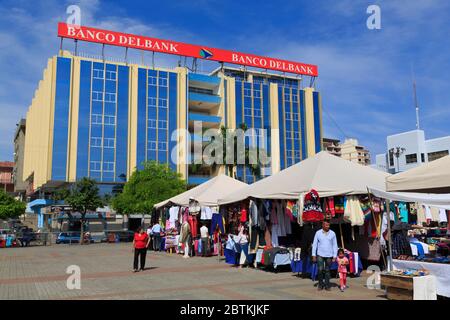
pixel 192 220
pixel 353 212
pixel 312 211
pixel 173 215
pixel 339 205
pixel 421 218
pixel 217 220
pixel 206 213
pixel 281 217
pixel 253 212
pixel 329 207
pixel 403 212
pixel 442 215
pixel 300 205
pixel 276 232
pixel 243 215
pixel 273 213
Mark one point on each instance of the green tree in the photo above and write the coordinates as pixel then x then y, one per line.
pixel 228 149
pixel 145 188
pixel 10 207
pixel 84 196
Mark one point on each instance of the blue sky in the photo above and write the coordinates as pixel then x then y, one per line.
pixel 365 76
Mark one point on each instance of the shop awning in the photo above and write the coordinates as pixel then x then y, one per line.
pixel 432 177
pixel 431 199
pixel 326 173
pixel 207 194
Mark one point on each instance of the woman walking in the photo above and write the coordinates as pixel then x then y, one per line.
pixel 140 245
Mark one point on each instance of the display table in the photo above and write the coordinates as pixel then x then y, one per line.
pixel 297 266
pixel 440 270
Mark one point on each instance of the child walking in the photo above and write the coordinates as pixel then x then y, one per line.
pixel 342 269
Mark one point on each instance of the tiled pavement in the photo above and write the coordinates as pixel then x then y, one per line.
pixel 40 273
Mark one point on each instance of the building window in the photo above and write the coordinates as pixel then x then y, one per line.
pixel 97 96
pixel 151 145
pixel 295 116
pixel 294 98
pixel 97 74
pixel 152 123
pixel 110 97
pixel 162 103
pixel 152 81
pixel 422 157
pixel 96 118
pixel 111 75
pixel 152 102
pixel 162 124
pixel 436 155
pixel 257 93
pixel 96 141
pixel 247 92
pixel 108 166
pixel 96 166
pixel 162 145
pixel 257 113
pixel 108 142
pixel 162 82
pixel 287 97
pixel 391 158
pixel 110 120
pixel 248 112
pixel 411 158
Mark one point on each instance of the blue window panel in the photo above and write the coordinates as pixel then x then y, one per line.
pixel 162 156
pixel 162 113
pixel 239 114
pixel 83 119
pixel 110 86
pixel 108 154
pixel 162 135
pixel 151 155
pixel 152 91
pixel 99 65
pixel 95 175
pixel 152 113
pixel 97 85
pixel 151 134
pixel 110 67
pixel 282 130
pixel 109 131
pixel 96 130
pixel 240 171
pixel 162 92
pixel 152 73
pixel 142 121
pixel 110 109
pixel 108 177
pixel 61 118
pixel 303 124
pixel 266 115
pixel 317 133
pixel 95 154
pixel 97 107
pixel 172 118
pixel 122 124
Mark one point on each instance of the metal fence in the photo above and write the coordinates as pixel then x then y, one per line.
pixel 25 239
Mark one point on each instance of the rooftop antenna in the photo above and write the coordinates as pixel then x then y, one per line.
pixel 415 100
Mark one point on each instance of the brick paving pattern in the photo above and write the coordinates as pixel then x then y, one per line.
pixel 40 273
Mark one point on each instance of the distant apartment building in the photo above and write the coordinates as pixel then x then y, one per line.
pixel 410 149
pixel 351 150
pixel 332 146
pixel 20 185
pixel 6 182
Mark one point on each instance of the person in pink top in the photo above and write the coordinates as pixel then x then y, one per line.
pixel 342 262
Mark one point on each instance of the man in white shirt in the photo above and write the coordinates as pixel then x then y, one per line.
pixel 156 230
pixel 204 234
pixel 324 252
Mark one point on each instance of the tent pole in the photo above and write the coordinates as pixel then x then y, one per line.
pixel 340 231
pixel 388 205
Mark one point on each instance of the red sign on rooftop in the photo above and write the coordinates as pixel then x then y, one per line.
pixel 178 48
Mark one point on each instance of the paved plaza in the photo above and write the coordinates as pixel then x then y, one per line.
pixel 40 273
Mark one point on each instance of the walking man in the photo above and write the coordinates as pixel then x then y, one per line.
pixel 204 234
pixel 324 252
pixel 156 230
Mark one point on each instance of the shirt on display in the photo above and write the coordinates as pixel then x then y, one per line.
pixel 204 232
pixel 206 213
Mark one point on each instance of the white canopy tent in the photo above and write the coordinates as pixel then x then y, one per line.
pixel 430 199
pixel 327 174
pixel 207 193
pixel 432 177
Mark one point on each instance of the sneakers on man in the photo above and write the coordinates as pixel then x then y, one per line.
pixel 319 288
pixel 328 288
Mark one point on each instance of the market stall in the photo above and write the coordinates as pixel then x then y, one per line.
pixel 183 215
pixel 283 211
pixel 423 244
